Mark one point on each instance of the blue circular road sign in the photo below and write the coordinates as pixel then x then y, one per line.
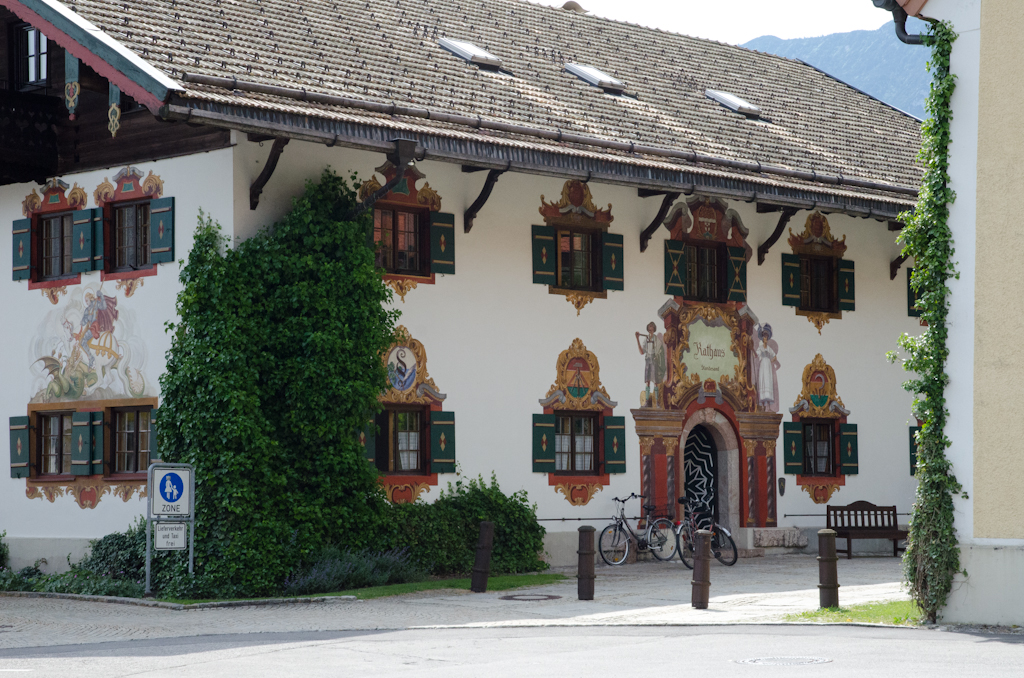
pixel 171 487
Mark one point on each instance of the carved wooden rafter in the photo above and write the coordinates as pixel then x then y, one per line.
pixel 481 200
pixel 268 170
pixel 895 264
pixel 666 203
pixel 762 250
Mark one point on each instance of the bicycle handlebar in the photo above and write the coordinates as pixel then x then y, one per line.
pixel 634 495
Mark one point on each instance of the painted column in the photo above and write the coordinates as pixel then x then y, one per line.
pixel 759 431
pixel 660 465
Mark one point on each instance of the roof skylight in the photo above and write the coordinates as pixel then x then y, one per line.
pixel 734 103
pixel 597 77
pixel 470 52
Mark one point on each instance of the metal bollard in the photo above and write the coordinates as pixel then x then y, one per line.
pixel 828 576
pixel 701 570
pixel 585 569
pixel 482 566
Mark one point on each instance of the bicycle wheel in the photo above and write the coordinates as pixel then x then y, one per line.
pixel 614 544
pixel 724 547
pixel 662 540
pixel 684 546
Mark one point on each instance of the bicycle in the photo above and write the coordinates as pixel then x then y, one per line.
pixel 722 545
pixel 657 538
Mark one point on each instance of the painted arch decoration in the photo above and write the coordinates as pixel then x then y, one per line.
pixel 410 386
pixel 820 403
pixel 578 388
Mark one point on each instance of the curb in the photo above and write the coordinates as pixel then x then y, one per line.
pixel 177 606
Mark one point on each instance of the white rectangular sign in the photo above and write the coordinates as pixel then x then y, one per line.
pixel 169 536
pixel 171 493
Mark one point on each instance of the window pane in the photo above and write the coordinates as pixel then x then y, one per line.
pixel 408 242
pixel 143 453
pixel 563 443
pixel 565 258
pixel 383 234
pixel 407 427
pixel 66 244
pixel 66 443
pixel 142 229
pixel 124 234
pixel 691 271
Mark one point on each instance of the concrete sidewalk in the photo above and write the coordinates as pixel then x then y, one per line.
pixel 642 594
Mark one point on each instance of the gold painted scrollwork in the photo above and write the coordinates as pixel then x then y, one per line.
pixel 739 385
pixel 401 286
pixel 422 387
pixel 819 396
pixel 820 493
pixel 585 402
pixel 578 494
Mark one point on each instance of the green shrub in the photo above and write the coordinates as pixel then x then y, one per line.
pixel 86 583
pixel 336 570
pixel 5 551
pixel 274 366
pixel 442 536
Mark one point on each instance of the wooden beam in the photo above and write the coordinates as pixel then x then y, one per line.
pixel 763 208
pixel 896 225
pixel 481 200
pixel 650 192
pixel 894 265
pixel 666 203
pixel 470 168
pixel 762 250
pixel 268 170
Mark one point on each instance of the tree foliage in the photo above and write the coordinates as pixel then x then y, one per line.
pixel 932 558
pixel 274 365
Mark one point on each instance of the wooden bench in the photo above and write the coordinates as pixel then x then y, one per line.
pixel 864 520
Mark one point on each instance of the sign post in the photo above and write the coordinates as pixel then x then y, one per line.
pixel 170 513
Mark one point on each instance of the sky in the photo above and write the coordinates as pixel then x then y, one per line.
pixel 738 21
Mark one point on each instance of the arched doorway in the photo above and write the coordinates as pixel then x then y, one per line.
pixel 700 465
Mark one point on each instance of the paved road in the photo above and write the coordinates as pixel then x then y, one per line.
pixel 562 652
pixel 651 594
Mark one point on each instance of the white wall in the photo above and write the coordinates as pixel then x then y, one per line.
pixel 199 181
pixel 492 337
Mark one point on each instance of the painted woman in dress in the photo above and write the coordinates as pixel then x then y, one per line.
pixel 766 366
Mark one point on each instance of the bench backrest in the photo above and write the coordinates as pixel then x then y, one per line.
pixel 862 515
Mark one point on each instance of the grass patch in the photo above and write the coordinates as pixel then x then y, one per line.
pixel 496 583
pixel 897 612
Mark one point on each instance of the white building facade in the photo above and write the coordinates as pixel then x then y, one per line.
pixel 581 321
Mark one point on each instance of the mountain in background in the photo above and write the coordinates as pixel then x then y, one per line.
pixel 873 61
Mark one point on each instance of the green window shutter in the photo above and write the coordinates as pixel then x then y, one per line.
pixel 81 241
pixel 612 265
pixel 543 443
pixel 442 442
pixel 22 252
pixel 790 280
pixel 793 446
pixel 545 256
pixel 442 243
pixel 161 230
pixel 155 456
pixel 846 288
pixel 675 268
pixel 913 310
pixel 81 444
pixel 913 449
pixel 737 272
pixel 848 449
pixel 97 443
pixel 97 239
pixel 19 447
pixel 614 444
pixel 368 441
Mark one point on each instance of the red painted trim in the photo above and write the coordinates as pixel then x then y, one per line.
pixel 59 282
pixel 420 279
pixel 101 67
pixel 558 479
pixel 394 479
pixel 821 480
pixel 130 275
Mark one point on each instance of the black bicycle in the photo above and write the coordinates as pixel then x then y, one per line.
pixel 722 545
pixel 657 538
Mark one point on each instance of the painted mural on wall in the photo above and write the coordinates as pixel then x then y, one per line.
pixel 652 348
pixel 766 368
pixel 88 349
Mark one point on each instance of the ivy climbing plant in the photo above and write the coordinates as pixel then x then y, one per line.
pixel 932 558
pixel 274 365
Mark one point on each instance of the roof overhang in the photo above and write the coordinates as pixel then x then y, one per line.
pixel 96 49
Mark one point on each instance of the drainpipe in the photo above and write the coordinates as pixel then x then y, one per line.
pixel 899 17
